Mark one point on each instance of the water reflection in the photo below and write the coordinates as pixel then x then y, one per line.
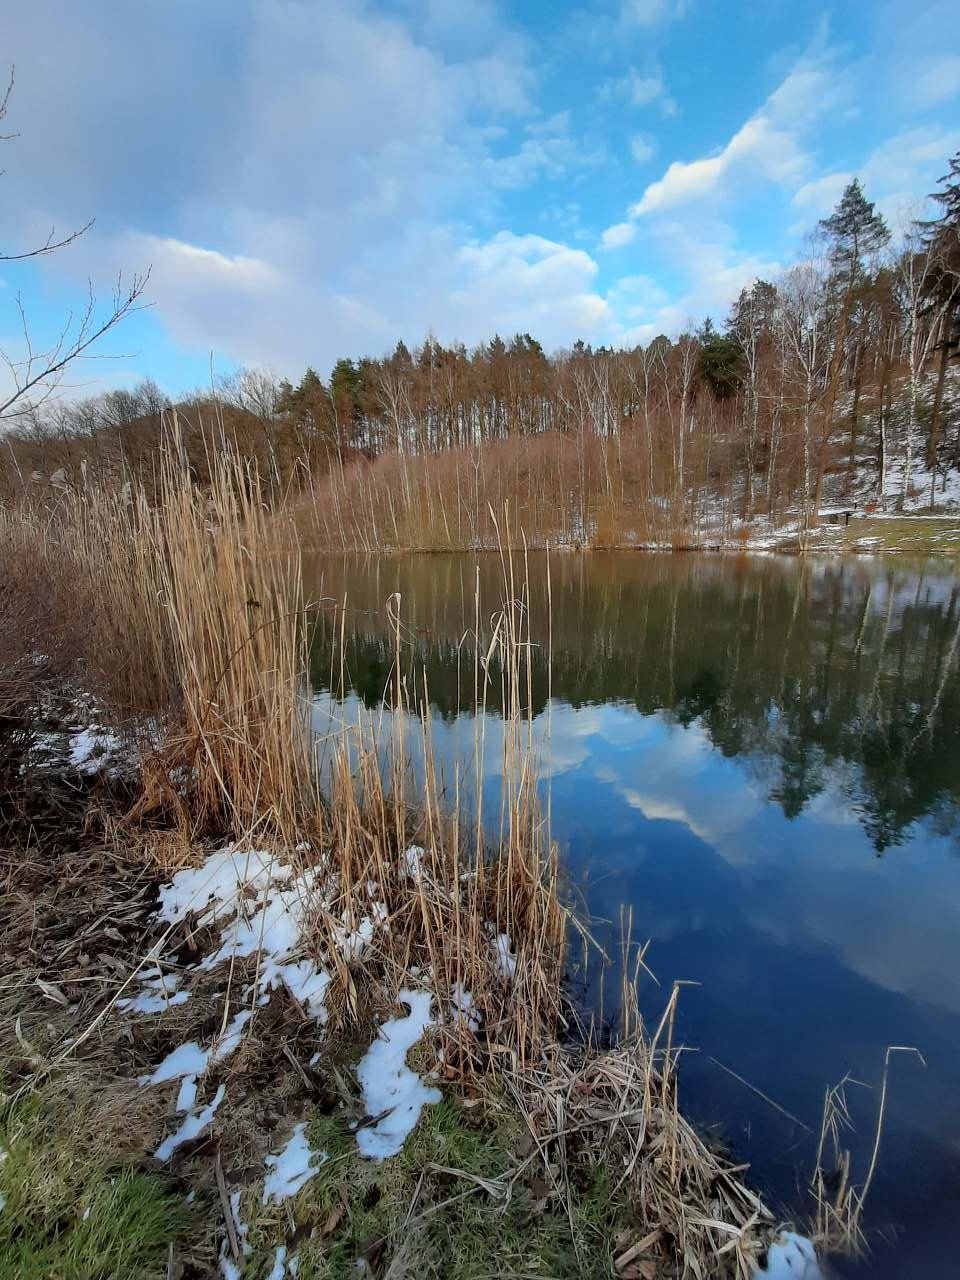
pixel 761 757
pixel 821 674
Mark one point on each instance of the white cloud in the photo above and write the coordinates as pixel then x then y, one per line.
pixel 306 184
pixel 766 147
pixel 644 89
pixel 710 269
pixel 620 234
pixel 820 196
pixel 907 166
pixel 651 13
pixel 642 147
pixel 286 315
pixel 639 89
pixel 897 176
pixel 938 82
pixel 183 263
pixel 529 282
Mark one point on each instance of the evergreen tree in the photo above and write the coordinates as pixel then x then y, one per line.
pixel 346 386
pixel 854 229
pixel 942 243
pixel 754 311
pixel 720 361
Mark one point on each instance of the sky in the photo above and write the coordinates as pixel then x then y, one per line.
pixel 309 180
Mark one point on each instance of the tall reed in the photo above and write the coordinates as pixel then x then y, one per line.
pixel 186 611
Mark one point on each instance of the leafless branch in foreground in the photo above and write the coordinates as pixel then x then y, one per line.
pixel 37 375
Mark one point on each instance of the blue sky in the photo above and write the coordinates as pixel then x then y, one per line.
pixel 312 180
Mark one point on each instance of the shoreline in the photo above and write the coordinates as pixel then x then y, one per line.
pixel 920 534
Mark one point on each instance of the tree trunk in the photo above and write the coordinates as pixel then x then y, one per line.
pixel 933 438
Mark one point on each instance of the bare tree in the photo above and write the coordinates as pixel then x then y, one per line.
pixel 37 371
pixel 803 324
pixel 914 271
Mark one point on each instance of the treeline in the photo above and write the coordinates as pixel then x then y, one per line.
pixel 832 382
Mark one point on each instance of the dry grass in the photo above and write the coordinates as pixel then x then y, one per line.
pixel 186 611
pixel 556 488
pixel 838 1224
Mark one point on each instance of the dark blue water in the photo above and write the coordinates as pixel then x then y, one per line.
pixel 761 758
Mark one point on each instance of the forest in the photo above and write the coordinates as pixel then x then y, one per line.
pixel 835 383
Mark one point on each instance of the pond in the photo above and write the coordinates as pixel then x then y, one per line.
pixel 760 756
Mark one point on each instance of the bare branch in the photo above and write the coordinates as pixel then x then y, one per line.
pixel 43 371
pixel 49 245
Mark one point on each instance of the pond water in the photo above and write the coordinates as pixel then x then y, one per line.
pixel 761 757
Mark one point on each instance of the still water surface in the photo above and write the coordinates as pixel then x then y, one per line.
pixel 760 756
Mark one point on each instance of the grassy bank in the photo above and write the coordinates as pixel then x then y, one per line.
pixel 920 534
pixel 209 954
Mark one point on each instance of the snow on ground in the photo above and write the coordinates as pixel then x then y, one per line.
pixel 291 1168
pixel 389 1085
pixel 414 857
pixel 216 888
pixel 192 1126
pixel 792 1257
pixel 463 1007
pixel 93 748
pixel 159 994
pixel 190 1060
pixel 186 1060
pixel 187 1096
pixel 265 907
pixel 506 960
pixel 278 1270
pixel 228 1267
pixel 270 909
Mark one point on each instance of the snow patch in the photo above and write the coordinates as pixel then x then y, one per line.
pixel 190 1060
pixel 187 1097
pixel 279 1263
pixel 228 1267
pixel 186 1060
pixel 159 994
pixel 389 1085
pixel 306 983
pixel 224 878
pixel 464 1007
pixel 414 857
pixel 271 913
pixel 192 1126
pixel 792 1257
pixel 290 1168
pixel 91 748
pixel 506 959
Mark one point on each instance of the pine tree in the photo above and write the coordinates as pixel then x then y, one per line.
pixel 942 243
pixel 720 361
pixel 854 230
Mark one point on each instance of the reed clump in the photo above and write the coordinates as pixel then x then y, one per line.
pixel 182 618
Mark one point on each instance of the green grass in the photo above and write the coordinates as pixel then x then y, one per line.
pixel 432 1223
pixel 461 1201
pixel 899 533
pixel 68 1213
